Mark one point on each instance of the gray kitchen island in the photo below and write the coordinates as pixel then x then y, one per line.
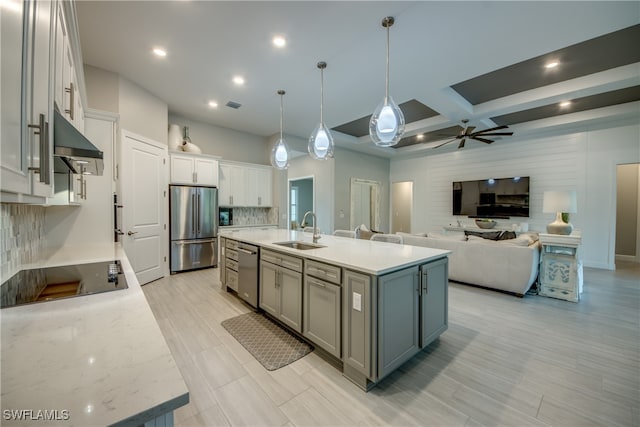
pixel 371 306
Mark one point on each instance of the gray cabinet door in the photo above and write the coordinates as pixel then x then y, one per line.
pixel 269 293
pixel 222 266
pixel 435 300
pixel 322 314
pixel 290 289
pixel 357 336
pixel 398 319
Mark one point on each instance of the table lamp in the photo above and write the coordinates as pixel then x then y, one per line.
pixel 558 202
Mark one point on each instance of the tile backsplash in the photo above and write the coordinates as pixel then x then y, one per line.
pixel 23 236
pixel 255 216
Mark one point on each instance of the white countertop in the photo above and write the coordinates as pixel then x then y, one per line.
pixel 374 258
pixel 101 357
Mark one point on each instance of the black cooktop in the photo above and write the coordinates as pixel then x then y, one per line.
pixel 52 283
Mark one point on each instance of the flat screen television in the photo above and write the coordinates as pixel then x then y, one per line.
pixel 492 197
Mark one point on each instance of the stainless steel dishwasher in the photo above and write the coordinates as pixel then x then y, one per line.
pixel 248 273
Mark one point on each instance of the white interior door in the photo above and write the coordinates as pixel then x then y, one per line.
pixel 144 181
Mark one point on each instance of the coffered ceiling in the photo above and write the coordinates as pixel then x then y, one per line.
pixel 482 61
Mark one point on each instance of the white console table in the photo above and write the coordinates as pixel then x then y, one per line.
pixel 560 266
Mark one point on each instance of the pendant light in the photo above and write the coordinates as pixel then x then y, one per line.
pixel 321 142
pixel 387 121
pixel 280 151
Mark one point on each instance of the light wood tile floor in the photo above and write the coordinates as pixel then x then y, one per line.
pixel 509 361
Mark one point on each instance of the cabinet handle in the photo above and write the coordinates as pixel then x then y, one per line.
pixel 79 193
pixel 42 130
pixel 425 283
pixel 84 188
pixel 70 90
pixel 259 200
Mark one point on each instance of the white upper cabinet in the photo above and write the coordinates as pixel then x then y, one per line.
pixel 27 101
pixel 194 169
pixel 245 185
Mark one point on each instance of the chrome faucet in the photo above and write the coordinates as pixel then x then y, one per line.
pixel 316 232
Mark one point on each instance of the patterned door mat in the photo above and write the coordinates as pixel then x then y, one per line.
pixel 270 344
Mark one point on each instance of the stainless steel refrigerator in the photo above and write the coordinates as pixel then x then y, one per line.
pixel 193 227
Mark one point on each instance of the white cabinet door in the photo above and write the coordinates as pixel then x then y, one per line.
pixel 206 171
pixel 189 169
pixel 60 60
pixel 182 170
pixel 232 185
pixel 14 152
pixel 258 187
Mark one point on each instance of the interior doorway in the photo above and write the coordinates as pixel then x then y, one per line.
pixel 401 206
pixel 628 212
pixel 301 199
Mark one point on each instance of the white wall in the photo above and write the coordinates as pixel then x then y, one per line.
pixel 102 89
pixel 141 112
pixel 226 143
pixel 323 174
pixel 350 164
pixel 583 161
pixel 91 223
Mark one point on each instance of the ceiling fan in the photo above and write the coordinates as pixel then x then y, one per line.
pixel 468 133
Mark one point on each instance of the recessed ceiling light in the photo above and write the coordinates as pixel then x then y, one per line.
pixel 213 104
pixel 565 103
pixel 159 52
pixel 552 64
pixel 420 137
pixel 279 41
pixel 239 80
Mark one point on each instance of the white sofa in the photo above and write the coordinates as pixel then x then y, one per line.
pixel 506 265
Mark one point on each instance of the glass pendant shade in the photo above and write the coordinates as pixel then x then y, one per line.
pixel 386 126
pixel 387 123
pixel 321 141
pixel 280 155
pixel 280 151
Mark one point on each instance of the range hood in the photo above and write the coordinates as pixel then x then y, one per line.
pixel 72 151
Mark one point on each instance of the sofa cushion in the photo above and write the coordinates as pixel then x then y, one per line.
pixel 506 235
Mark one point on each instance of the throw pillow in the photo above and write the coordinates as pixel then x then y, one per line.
pixel 489 235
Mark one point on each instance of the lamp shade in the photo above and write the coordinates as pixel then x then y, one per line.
pixel 560 201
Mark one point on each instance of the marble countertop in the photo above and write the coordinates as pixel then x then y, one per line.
pixel 374 258
pixel 97 359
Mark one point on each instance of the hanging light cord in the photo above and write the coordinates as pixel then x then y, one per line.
pixel 281 109
pixel 386 94
pixel 321 93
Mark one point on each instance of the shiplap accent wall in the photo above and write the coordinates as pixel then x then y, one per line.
pixel 584 161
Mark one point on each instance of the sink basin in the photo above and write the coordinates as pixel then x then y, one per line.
pixel 299 245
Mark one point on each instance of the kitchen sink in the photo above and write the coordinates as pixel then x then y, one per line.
pixel 299 245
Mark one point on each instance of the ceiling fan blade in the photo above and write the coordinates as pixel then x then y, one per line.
pixel 492 129
pixel 461 145
pixel 444 143
pixel 493 134
pixel 469 130
pixel 486 141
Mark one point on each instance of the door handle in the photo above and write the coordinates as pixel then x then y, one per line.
pixel 131 233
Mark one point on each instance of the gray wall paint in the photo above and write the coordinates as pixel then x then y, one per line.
pixel 628 177
pixel 141 112
pixel 323 174
pixel 102 89
pixel 358 165
pixel 226 143
pixel 305 197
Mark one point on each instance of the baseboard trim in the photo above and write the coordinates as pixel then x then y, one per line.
pixel 628 258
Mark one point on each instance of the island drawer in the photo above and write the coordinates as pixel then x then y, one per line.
pixel 323 271
pixel 277 258
pixel 232 244
pixel 232 264
pixel 232 254
pixel 232 279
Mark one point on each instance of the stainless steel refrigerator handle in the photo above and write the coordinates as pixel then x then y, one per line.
pixel 198 213
pixel 193 214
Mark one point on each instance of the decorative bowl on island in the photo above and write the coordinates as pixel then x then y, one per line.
pixel 485 223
